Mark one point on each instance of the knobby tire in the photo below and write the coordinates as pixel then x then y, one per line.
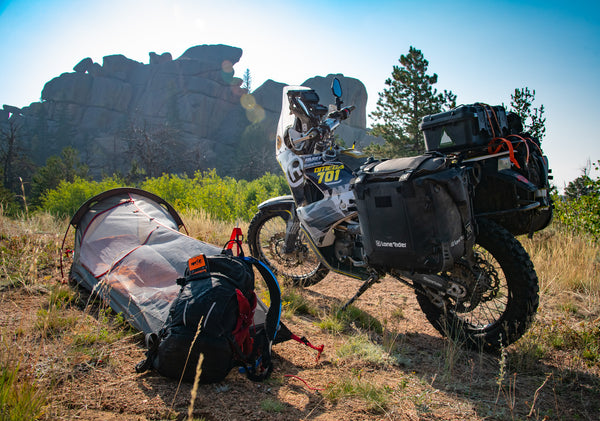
pixel 516 272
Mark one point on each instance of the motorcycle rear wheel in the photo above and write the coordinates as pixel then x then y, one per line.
pixel 508 308
pixel 266 236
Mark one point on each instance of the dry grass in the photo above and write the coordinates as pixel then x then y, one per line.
pixel 568 267
pixel 75 359
pixel 201 226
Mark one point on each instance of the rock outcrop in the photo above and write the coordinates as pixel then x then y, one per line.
pixel 194 103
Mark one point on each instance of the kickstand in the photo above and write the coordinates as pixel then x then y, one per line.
pixel 365 286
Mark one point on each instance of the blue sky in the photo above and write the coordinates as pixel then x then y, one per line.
pixel 481 50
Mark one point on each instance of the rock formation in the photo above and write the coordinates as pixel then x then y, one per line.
pixel 193 106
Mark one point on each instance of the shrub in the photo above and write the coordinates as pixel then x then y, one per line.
pixel 223 198
pixel 69 196
pixel 580 210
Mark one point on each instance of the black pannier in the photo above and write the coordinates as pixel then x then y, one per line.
pixel 415 213
pixel 464 127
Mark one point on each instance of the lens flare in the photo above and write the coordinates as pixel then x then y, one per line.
pixel 227 66
pixel 248 102
pixel 256 114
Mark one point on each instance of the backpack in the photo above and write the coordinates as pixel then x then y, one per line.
pixel 213 316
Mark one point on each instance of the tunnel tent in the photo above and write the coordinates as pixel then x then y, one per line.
pixel 129 250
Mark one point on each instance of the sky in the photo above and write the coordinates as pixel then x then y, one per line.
pixel 481 50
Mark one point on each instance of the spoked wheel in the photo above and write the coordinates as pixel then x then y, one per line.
pixel 493 302
pixel 267 241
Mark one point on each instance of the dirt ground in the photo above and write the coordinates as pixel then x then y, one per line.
pixel 425 377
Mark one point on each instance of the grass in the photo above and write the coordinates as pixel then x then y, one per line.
pixel 376 398
pixel 65 356
pixel 201 226
pixel 360 347
pixel 566 264
pixel 338 320
pixel 294 303
pixel 272 405
pixel 20 396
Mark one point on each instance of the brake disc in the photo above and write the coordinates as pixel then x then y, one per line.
pixel 277 246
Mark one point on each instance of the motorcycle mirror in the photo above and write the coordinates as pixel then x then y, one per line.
pixel 336 88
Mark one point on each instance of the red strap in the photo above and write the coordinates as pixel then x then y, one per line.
pixel 303 381
pixel 307 343
pixel 241 333
pixel 236 238
pixel 508 144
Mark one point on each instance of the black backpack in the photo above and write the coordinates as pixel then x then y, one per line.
pixel 214 316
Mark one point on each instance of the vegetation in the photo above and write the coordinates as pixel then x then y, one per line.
pixel 579 211
pixel 20 398
pixel 225 198
pixel 65 355
pixel 410 96
pixel 533 118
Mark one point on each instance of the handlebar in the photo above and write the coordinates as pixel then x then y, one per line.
pixel 313 133
pixel 342 114
pixel 326 127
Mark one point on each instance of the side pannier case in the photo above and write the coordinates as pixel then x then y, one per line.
pixel 415 213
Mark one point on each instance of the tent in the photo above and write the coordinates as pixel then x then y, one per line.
pixel 129 250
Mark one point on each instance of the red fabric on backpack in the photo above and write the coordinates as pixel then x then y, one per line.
pixel 241 333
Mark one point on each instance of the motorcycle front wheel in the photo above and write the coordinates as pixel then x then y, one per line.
pixel 506 287
pixel 266 239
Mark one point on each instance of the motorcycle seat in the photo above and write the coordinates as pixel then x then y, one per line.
pixel 426 163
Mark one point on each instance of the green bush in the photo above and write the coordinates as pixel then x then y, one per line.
pixel 581 214
pixel 69 196
pixel 225 198
pixel 579 211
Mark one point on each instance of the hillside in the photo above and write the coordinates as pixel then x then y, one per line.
pixel 382 361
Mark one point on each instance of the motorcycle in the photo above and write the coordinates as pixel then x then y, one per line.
pixel 443 223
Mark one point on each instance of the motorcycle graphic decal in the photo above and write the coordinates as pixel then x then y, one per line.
pixel 328 173
pixel 294 172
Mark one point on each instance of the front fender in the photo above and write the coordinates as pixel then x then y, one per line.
pixel 279 203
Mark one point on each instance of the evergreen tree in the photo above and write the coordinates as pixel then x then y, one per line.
pixel 401 107
pixel 533 118
pixel 584 185
pixel 65 167
pixel 247 81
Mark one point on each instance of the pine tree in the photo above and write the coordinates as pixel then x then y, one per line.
pixel 533 119
pixel 246 81
pixel 401 107
pixel 65 167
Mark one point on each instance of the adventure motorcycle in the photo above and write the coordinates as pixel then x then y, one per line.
pixel 442 223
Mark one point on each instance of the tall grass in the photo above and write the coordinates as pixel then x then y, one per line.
pixel 566 263
pixel 202 226
pixel 20 396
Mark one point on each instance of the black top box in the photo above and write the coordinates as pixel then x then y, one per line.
pixel 464 127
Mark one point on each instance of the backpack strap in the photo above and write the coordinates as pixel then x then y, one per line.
pixel 274 312
pixel 260 364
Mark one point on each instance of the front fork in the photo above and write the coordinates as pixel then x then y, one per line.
pixel 292 230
